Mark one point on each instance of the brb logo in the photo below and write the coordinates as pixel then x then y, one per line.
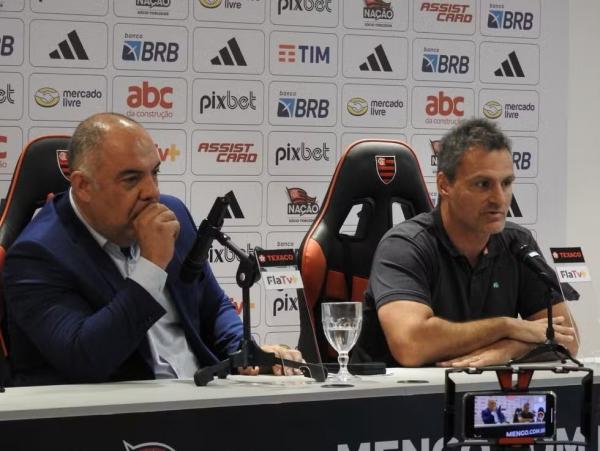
pixel 435 62
pixel 304 5
pixel 227 101
pixel 444 105
pixel 285 304
pixel 7 46
pixel 135 49
pixel 149 97
pixel 296 107
pixel 501 19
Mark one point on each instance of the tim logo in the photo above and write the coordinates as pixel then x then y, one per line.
pixel 285 304
pixel 386 168
pixel 378 9
pixel 501 19
pixel 301 203
pixel 312 54
pixel 233 209
pixel 514 210
pixel 296 107
pixel 149 97
pixel 377 61
pixel 70 49
pixel 510 67
pixel 148 446
pixel 230 55
pixel 435 62
pixel 171 152
pixel 136 50
pixel 7 45
pixel 444 105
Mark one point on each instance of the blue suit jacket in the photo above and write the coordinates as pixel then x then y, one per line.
pixel 73 318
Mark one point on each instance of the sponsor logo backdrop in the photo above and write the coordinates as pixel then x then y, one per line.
pixel 262 96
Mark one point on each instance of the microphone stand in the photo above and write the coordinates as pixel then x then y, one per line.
pixel 549 345
pixel 249 353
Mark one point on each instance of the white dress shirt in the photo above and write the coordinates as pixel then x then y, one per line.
pixel 171 353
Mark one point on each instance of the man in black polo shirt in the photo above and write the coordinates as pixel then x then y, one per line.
pixel 444 286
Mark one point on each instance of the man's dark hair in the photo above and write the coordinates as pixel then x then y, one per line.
pixel 88 135
pixel 472 133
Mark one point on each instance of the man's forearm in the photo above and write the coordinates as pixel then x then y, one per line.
pixel 437 339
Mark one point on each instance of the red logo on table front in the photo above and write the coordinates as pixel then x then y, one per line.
pixel 62 158
pixel 386 168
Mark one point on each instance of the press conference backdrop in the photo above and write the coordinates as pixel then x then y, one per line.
pixel 262 96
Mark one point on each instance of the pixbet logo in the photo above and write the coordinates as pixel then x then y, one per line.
pixel 444 105
pixel 227 101
pixel 138 50
pixel 230 152
pixel 7 95
pixel 7 45
pixel 296 107
pixel 304 5
pixel 502 19
pixel 224 255
pixel 448 12
pixel 285 304
pixel 149 97
pixel 435 62
pixel 301 153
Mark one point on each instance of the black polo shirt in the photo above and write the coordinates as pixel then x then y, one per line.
pixel 416 261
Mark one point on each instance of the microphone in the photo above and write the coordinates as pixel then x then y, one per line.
pixel 196 258
pixel 534 261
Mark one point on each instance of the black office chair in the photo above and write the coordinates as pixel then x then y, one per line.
pixel 41 171
pixel 376 184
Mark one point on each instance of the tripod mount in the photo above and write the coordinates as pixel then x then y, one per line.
pixel 249 354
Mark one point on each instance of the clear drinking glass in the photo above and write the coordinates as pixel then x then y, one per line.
pixel 341 323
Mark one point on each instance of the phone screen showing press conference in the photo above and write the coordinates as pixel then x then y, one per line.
pixel 518 415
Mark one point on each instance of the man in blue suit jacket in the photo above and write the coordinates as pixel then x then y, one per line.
pixel 81 310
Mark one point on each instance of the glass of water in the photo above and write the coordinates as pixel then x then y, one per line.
pixel 341 323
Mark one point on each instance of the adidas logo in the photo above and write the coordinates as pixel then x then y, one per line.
pixel 65 51
pixel 225 55
pixel 233 209
pixel 514 211
pixel 377 61
pixel 510 67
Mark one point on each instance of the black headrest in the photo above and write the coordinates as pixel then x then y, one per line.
pixel 42 169
pixel 378 173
